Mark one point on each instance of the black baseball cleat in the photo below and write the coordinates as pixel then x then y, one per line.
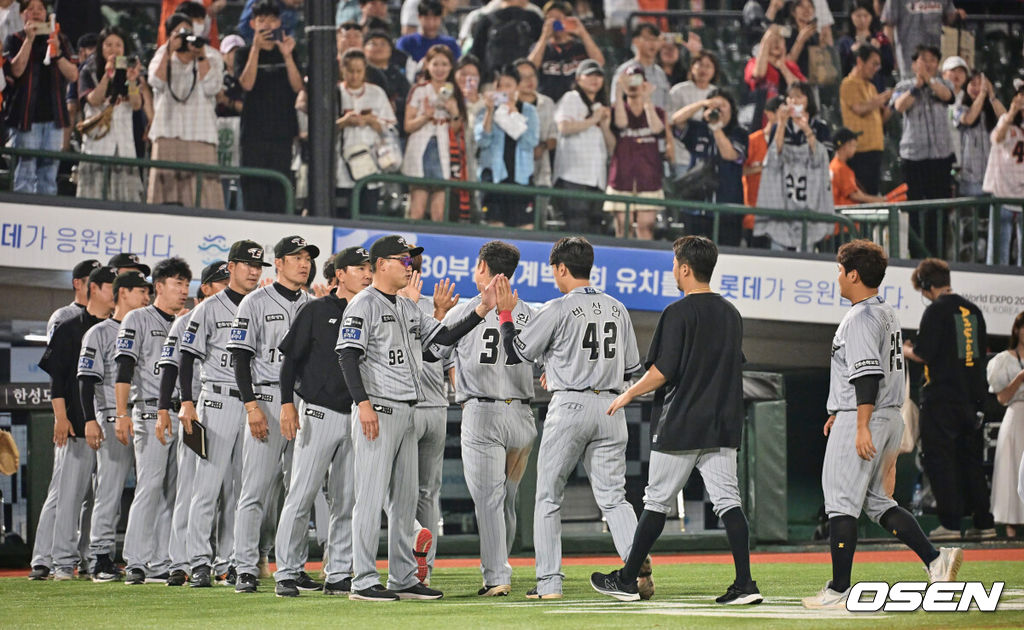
pixel 39 572
pixel 419 591
pixel 159 578
pixel 741 595
pixel 306 583
pixel 375 593
pixel 341 587
pixel 533 594
pixel 104 569
pixel 228 578
pixel 612 585
pixel 200 577
pixel 246 583
pixel 286 588
pixel 498 590
pixel 135 576
pixel 177 578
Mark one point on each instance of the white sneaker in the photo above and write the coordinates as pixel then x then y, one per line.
pixel 827 598
pixel 63 574
pixel 946 566
pixel 941 533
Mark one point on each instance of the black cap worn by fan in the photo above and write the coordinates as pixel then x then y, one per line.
pixel 127 260
pixel 131 279
pixel 84 268
pixel 291 245
pixel 844 135
pixel 216 271
pixel 392 245
pixel 249 252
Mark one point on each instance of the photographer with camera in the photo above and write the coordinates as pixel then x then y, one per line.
pixel 270 77
pixel 36 113
pixel 186 74
pixel 109 92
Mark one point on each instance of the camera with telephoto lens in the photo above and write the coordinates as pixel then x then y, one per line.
pixel 714 115
pixel 192 40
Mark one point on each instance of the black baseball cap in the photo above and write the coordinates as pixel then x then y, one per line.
pixel 131 279
pixel 103 275
pixel 391 245
pixel 247 251
pixel 215 272
pixel 844 135
pixel 126 260
pixel 291 245
pixel 351 257
pixel 84 268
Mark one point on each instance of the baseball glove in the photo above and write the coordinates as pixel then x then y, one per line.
pixel 644 581
pixel 9 456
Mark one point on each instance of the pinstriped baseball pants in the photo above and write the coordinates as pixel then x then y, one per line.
pixel 852 484
pixel 669 471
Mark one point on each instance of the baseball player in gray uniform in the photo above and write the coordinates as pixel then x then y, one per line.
pixel 97 372
pixel 140 342
pixel 263 319
pixel 321 428
pixel 498 427
pixel 220 409
pixel 865 427
pixel 587 344
pixel 381 348
pixel 213 279
pixel 42 561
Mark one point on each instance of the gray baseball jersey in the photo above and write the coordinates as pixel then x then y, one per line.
pixel 97 360
pixel 391 337
pixel 262 321
pixel 867 342
pixel 585 339
pixel 435 386
pixel 481 369
pixel 141 337
pixel 207 336
pixel 170 354
pixel 60 316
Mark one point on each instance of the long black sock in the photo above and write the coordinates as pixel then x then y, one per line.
pixel 648 528
pixel 843 538
pixel 904 526
pixel 739 541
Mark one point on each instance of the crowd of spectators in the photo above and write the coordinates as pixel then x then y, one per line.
pixel 521 94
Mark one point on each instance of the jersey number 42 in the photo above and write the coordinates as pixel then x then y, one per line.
pixel 592 343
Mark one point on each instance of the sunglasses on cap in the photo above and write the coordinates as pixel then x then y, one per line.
pixel 405 260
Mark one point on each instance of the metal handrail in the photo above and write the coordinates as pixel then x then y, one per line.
pixel 738 14
pixel 109 160
pixel 538 193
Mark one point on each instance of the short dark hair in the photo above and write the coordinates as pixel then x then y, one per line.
pixel 174 267
pixel 328 270
pixel 430 7
pixel 731 99
pixel 500 257
pixel 377 29
pixel 508 70
pixel 266 7
pixel 866 50
pixel 805 89
pixel 352 53
pixel 523 61
pixel 865 257
pixel 924 48
pixel 194 10
pixel 199 294
pixel 173 20
pixel 576 253
pixel 930 273
pixel 710 56
pixel 468 59
pixel 642 27
pixel 699 253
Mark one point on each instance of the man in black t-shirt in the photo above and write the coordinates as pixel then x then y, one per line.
pixel 696 365
pixel 564 43
pixel 271 79
pixel 951 342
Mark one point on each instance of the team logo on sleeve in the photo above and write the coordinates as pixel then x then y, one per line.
pixel 193 326
pixel 89 353
pixel 353 322
pixel 125 339
pixel 240 322
pixel 188 337
pixel 239 329
pixel 168 350
pixel 85 363
pixel 351 333
pixel 238 334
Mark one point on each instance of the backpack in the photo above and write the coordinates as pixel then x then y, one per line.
pixel 507 40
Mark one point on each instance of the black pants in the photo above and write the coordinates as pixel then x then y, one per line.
pixel 951 445
pixel 928 179
pixel 730 226
pixel 368 202
pixel 259 194
pixel 867 167
pixel 581 216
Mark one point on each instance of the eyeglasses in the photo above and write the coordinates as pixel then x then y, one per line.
pixel 405 260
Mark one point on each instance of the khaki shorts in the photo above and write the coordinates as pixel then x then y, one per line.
pixel 618 206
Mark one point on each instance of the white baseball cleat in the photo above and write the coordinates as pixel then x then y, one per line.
pixel 827 598
pixel 946 566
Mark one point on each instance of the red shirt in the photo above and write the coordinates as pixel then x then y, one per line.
pixel 772 80
pixel 636 162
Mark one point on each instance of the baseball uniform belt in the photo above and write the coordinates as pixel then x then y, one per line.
pixel 150 402
pixel 223 390
pixel 265 397
pixel 507 401
pixel 145 415
pixel 595 391
pixel 108 415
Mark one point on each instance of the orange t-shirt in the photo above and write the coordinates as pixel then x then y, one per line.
pixel 844 182
pixel 169 6
pixel 757 149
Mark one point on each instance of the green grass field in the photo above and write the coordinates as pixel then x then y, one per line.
pixel 684 599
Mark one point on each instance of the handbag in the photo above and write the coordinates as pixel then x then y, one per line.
pixel 697 184
pixel 822 68
pixel 359 159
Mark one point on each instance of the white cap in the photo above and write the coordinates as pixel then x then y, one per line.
pixel 955 62
pixel 231 42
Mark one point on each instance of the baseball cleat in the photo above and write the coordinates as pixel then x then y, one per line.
pixel 533 594
pixel 246 583
pixel 984 534
pixel 228 578
pixel 341 587
pixel 424 540
pixel 644 581
pixel 159 578
pixel 135 576
pixel 62 574
pixel 419 591
pixel 740 595
pixel 946 566
pixel 612 585
pixel 104 569
pixel 306 583
pixel 375 593
pixel 286 588
pixel 177 578
pixel 39 572
pixel 941 533
pixel 499 590
pixel 827 598
pixel 200 577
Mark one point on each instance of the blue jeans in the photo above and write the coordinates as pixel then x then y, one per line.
pixel 33 175
pixel 999 253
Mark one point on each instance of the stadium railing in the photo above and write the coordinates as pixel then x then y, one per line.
pixel 107 161
pixel 849 228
